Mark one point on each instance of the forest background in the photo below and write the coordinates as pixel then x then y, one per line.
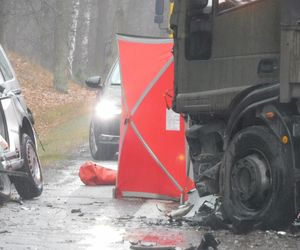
pixel 54 45
pixel 74 38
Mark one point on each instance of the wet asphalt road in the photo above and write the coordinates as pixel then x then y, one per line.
pixel 70 215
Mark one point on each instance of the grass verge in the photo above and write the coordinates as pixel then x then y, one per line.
pixel 68 128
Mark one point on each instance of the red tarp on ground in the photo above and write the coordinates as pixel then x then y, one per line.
pixel 152 160
pixel 92 174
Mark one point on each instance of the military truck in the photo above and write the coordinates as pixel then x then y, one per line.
pixel 237 79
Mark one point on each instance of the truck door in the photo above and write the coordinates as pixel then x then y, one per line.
pixel 191 23
pixel 199 31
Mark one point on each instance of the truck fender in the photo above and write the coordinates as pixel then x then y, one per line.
pixel 276 120
pixel 244 104
pixel 285 127
pixel 270 114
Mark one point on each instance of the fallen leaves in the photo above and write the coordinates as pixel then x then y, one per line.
pixel 40 95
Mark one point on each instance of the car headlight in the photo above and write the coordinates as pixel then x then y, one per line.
pixel 106 109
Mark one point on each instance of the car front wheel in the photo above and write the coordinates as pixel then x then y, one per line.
pixel 98 151
pixel 32 186
pixel 5 188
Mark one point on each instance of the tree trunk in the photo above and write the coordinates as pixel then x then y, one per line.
pixel 46 35
pixel 105 39
pixel 61 31
pixel 2 20
pixel 85 37
pixel 72 36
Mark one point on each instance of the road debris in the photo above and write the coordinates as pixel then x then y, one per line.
pixel 208 216
pixel 144 245
pixel 208 241
pixel 76 210
pixel 4 232
pixel 25 208
pixel 16 200
pixel 126 217
pixel 281 233
pixel 296 222
pixel 178 213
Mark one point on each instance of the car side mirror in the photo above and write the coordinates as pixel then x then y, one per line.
pixel 94 82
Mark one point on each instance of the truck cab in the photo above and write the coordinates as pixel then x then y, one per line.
pixel 222 49
pixel 237 78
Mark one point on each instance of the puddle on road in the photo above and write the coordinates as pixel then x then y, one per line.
pixel 103 237
pixel 112 236
pixel 108 237
pixel 162 238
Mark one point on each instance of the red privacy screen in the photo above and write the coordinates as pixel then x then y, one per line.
pixel 152 157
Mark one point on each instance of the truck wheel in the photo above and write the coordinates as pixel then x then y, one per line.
pixel 257 181
pixel 32 186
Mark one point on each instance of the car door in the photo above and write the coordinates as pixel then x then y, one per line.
pixel 12 107
pixel 9 80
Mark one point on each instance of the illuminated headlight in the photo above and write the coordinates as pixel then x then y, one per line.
pixel 107 109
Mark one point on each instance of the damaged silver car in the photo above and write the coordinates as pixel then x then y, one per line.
pixel 19 161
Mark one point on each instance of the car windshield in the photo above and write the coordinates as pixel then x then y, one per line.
pixel 115 78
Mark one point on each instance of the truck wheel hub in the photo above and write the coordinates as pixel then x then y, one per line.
pixel 251 180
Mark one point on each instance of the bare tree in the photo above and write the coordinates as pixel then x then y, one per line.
pixel 72 36
pixel 61 35
pixel 85 35
pixel 46 35
pixel 2 20
pixel 105 39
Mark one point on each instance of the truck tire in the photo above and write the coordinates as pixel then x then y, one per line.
pixel 32 186
pixel 257 180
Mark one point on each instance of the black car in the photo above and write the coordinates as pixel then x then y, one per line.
pixel 105 124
